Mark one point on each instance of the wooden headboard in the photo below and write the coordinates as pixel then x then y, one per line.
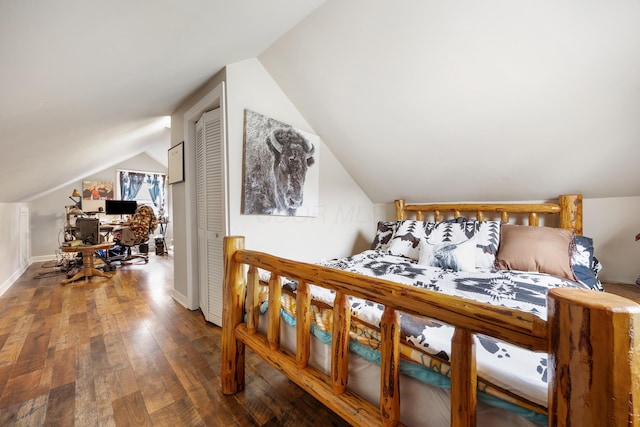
pixel 568 208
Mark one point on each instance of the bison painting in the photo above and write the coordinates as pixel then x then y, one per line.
pixel 277 160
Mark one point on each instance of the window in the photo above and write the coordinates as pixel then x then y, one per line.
pixel 146 188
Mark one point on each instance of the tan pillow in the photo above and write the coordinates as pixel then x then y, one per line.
pixel 541 249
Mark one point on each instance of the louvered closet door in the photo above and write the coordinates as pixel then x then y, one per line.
pixel 210 213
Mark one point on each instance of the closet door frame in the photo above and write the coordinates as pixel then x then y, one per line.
pixel 214 99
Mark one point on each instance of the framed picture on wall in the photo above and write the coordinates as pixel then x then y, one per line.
pixel 94 193
pixel 176 163
pixel 97 190
pixel 281 174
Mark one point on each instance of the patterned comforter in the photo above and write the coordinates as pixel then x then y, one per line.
pixel 427 342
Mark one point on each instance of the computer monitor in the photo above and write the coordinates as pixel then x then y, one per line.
pixel 88 230
pixel 120 207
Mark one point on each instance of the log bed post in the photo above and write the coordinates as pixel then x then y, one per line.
pixel 390 367
pixel 340 343
pixel 571 212
pixel 594 359
pixel 464 379
pixel 232 355
pixel 400 212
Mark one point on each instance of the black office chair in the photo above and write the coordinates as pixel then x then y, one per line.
pixel 137 233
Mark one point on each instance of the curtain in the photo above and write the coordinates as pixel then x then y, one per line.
pixel 156 191
pixel 130 183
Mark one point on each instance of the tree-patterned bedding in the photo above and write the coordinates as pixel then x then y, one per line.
pixel 504 370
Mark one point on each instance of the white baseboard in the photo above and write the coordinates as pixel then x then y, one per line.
pixel 42 258
pixel 11 280
pixel 181 299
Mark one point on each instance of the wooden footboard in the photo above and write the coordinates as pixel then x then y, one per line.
pixel 594 356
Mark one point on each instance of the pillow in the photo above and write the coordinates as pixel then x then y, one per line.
pixel 487 243
pixel 542 249
pixel 406 239
pixel 450 256
pixel 486 233
pixel 384 233
pixel 584 264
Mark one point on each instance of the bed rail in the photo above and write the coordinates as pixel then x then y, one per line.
pixel 594 357
pixel 568 207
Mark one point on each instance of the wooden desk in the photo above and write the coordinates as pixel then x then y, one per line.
pixel 88 253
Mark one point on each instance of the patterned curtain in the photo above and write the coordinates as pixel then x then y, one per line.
pixel 130 183
pixel 156 191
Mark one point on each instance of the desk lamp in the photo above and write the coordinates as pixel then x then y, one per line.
pixel 75 210
pixel 75 194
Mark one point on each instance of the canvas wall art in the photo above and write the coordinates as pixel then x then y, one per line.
pixel 281 168
pixel 97 190
pixel 94 193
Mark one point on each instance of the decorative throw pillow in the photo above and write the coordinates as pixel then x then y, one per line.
pixel 487 237
pixel 406 238
pixel 384 233
pixel 542 249
pixel 487 243
pixel 449 256
pixel 584 264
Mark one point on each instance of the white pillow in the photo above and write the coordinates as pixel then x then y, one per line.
pixel 406 239
pixel 486 234
pixel 449 256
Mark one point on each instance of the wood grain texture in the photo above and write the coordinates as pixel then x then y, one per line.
pixel 594 367
pixel 520 328
pixel 340 343
pixel 253 299
pixel 122 352
pixel 233 366
pixel 303 325
pixel 464 379
pixel 390 367
pixel 584 319
pixel 273 314
pixel 568 209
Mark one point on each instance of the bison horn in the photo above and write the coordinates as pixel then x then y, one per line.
pixel 273 141
pixel 310 149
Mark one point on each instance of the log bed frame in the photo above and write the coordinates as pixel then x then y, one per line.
pixel 594 359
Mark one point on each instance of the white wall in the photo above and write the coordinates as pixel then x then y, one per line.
pixel 48 213
pixel 345 223
pixel 178 191
pixel 10 268
pixel 471 99
pixel 613 223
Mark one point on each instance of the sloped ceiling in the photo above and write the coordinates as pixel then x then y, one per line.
pixel 471 100
pixel 84 85
pixel 428 100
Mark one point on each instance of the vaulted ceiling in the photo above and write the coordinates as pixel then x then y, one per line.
pixel 429 100
pixel 85 85
pixel 472 100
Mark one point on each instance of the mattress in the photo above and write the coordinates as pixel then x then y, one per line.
pixel 507 374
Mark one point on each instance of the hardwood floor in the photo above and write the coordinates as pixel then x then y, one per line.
pixel 122 352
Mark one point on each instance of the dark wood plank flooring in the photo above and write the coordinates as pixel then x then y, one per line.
pixel 122 352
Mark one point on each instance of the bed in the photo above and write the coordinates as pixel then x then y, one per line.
pixel 574 343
